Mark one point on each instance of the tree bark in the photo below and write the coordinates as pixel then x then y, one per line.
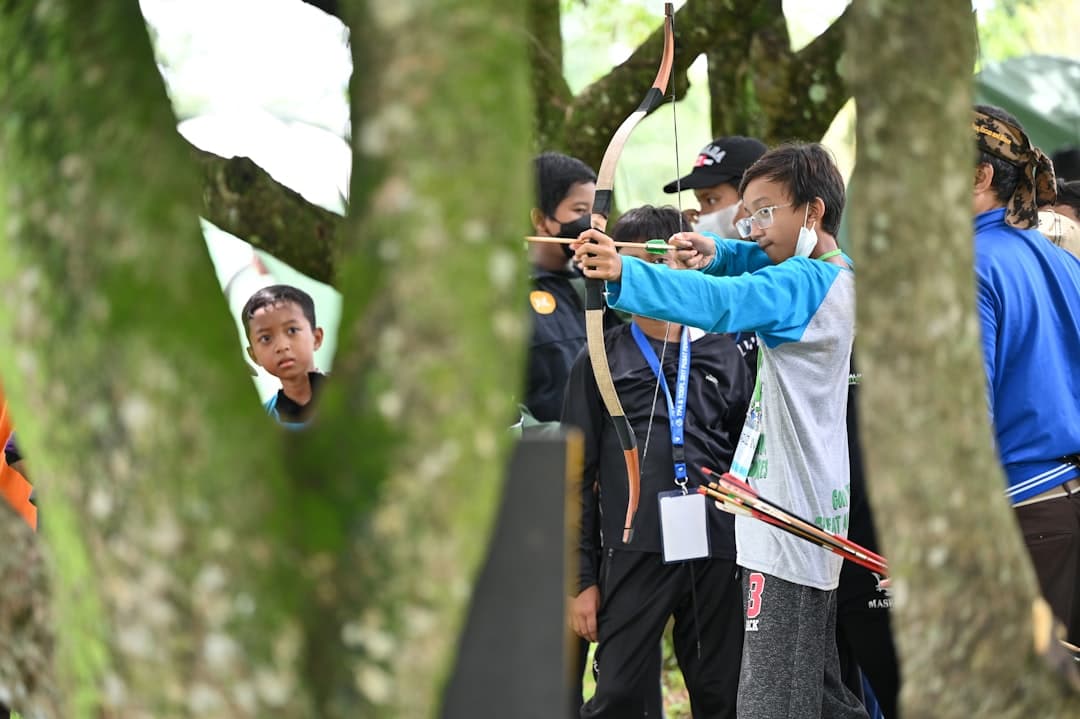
pixel 758 86
pixel 963 587
pixel 245 200
pixel 433 327
pixel 552 94
pixel 734 107
pixel 27 635
pixel 814 87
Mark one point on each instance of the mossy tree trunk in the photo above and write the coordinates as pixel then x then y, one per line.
pixel 204 563
pixel 162 495
pixel 963 586
pixel 433 323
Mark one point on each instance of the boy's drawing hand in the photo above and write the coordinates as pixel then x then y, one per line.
pixel 596 255
pixel 695 251
pixel 582 611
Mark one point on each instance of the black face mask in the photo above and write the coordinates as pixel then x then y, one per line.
pixel 571 230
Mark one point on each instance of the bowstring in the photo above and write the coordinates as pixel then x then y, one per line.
pixel 678 201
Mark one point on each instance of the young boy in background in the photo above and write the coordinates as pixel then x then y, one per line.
pixel 283 337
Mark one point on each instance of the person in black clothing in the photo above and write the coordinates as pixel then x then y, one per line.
pixel 1068 199
pixel 1067 163
pixel 626 599
pixel 863 625
pixel 565 188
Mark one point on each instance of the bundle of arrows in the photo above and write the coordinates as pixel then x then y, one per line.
pixel 735 496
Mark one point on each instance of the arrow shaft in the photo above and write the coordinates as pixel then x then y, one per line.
pixel 565 241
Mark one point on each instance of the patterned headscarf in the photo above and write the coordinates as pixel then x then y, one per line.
pixel 1036 186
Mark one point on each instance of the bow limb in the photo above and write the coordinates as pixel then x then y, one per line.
pixel 594 294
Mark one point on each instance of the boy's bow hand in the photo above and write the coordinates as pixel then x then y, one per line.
pixel 694 251
pixel 596 255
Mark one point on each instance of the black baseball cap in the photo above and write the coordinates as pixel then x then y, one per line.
pixel 725 159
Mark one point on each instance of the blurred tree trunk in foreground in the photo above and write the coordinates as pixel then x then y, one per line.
pixel 204 563
pixel 963 586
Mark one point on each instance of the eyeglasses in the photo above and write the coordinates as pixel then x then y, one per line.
pixel 762 217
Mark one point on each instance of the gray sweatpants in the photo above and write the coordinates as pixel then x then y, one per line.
pixel 790 666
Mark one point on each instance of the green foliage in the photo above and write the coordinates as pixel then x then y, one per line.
pixel 1004 29
pixel 1011 28
pixel 676 700
pixel 599 34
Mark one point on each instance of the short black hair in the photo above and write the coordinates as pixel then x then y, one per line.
pixel 1068 193
pixel 276 295
pixel 556 173
pixel 648 223
pixel 808 171
pixel 1006 175
pixel 1067 163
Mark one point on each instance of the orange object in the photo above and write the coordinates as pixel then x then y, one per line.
pixel 13 486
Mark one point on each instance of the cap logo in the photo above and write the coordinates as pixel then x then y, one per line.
pixel 711 155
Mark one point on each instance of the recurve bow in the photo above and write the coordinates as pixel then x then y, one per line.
pixel 594 295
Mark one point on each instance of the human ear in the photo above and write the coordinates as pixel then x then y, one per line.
pixel 817 211
pixel 318 337
pixel 984 176
pixel 251 354
pixel 537 219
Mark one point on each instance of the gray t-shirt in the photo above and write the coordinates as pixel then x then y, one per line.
pixel 804 408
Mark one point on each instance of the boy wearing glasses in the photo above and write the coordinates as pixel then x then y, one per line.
pixel 794 288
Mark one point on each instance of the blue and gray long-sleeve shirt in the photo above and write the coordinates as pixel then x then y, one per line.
pixel 1028 293
pixel 803 312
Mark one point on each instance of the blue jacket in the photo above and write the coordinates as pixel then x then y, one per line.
pixel 1029 307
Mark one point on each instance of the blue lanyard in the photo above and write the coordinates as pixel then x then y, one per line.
pixel 676 408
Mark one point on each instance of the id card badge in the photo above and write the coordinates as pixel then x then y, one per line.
pixel 682 526
pixel 748 442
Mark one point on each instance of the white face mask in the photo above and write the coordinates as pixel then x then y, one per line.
pixel 721 222
pixel 807 240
